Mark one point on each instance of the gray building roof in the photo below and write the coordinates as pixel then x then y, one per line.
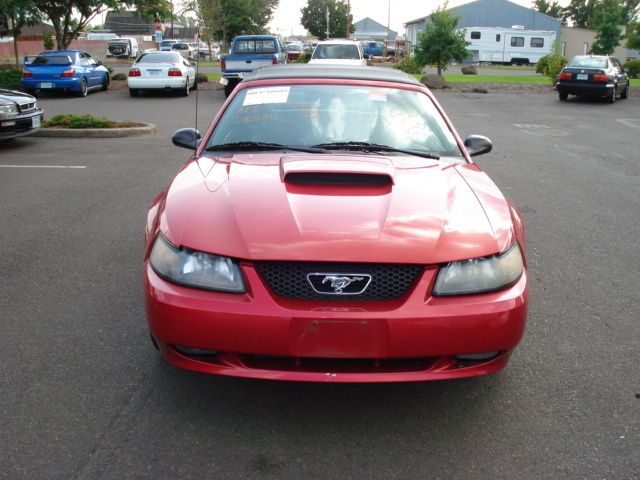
pixel 492 13
pixel 370 29
pixel 128 23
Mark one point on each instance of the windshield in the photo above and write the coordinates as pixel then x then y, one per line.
pixel 307 115
pixel 52 60
pixel 344 52
pixel 294 48
pixel 180 46
pixel 158 57
pixel 167 43
pixel 588 62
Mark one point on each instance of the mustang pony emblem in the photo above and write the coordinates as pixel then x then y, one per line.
pixel 340 283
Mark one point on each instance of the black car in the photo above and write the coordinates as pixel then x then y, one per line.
pixel 19 114
pixel 593 76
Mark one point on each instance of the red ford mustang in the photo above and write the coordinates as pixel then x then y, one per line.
pixel 331 226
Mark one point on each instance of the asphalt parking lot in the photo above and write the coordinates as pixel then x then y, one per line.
pixel 84 395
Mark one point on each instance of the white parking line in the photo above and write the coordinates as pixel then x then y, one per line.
pixel 629 122
pixel 43 166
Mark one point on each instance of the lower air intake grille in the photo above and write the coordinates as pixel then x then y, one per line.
pixel 289 279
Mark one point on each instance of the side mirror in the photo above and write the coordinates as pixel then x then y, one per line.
pixel 477 145
pixel 186 138
pixel 99 63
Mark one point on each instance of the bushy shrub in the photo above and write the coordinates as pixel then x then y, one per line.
pixel 633 66
pixel 303 58
pixel 10 79
pixel 550 66
pixel 119 76
pixel 109 69
pixel 408 64
pixel 69 120
pixel 542 64
pixel 202 78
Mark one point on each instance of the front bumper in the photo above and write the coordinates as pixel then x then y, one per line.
pixel 160 83
pixel 586 89
pixel 20 125
pixel 259 335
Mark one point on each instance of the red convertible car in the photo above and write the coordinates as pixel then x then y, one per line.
pixel 331 226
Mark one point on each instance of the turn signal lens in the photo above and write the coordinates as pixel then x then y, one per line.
pixel 175 72
pixel 223 64
pixel 134 72
pixel 600 78
pixel 26 73
pixel 69 72
pixel 565 76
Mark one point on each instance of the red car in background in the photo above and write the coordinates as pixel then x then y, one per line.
pixel 331 226
pixel 293 50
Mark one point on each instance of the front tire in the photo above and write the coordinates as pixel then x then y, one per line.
pixel 105 82
pixel 84 88
pixel 612 97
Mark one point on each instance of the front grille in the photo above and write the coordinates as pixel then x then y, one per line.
pixel 25 107
pixel 289 279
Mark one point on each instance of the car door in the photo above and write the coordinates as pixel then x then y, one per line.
pixel 621 76
pixel 88 69
pixel 191 72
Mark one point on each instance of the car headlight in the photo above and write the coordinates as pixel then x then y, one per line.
pixel 195 269
pixel 480 275
pixel 8 109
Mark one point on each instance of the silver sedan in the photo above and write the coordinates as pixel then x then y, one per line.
pixel 161 71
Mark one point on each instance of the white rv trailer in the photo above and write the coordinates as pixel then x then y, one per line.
pixel 515 45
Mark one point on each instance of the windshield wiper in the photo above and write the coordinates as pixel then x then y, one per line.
pixel 374 147
pixel 261 146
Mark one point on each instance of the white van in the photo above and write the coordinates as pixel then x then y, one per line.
pixel 126 47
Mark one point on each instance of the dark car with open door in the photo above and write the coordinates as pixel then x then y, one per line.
pixel 593 76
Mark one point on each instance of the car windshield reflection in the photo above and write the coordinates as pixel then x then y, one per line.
pixel 307 115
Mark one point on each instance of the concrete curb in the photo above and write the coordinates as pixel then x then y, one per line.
pixel 145 129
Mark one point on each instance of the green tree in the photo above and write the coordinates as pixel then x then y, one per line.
pixel 223 19
pixel 551 8
pixel 633 35
pixel 69 17
pixel 580 13
pixel 314 18
pixel 440 42
pixel 631 11
pixel 19 13
pixel 607 19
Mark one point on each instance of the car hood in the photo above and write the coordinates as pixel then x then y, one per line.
pixel 296 208
pixel 14 96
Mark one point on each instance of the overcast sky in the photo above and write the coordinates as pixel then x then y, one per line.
pixel 286 19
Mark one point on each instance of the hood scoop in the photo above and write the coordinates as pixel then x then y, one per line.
pixel 337 170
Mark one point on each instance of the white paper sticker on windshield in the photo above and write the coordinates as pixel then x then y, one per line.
pixel 259 96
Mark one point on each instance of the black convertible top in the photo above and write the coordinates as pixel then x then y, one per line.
pixel 330 71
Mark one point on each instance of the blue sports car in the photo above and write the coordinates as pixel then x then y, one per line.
pixel 64 70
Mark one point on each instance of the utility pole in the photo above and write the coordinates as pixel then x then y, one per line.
pixel 327 23
pixel 348 9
